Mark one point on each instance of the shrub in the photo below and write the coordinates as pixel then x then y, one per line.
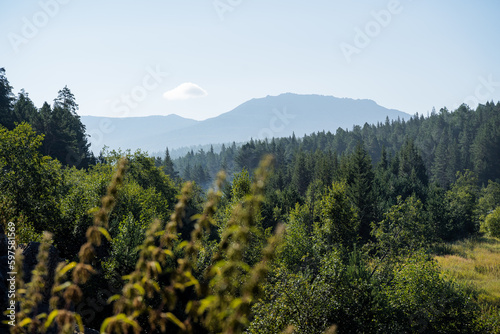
pixel 492 223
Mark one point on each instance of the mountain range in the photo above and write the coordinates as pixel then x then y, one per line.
pixel 271 116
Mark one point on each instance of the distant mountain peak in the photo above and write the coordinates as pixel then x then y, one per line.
pixel 259 118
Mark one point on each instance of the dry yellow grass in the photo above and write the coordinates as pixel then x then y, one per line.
pixel 475 261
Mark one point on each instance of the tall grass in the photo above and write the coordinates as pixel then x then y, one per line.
pixel 476 261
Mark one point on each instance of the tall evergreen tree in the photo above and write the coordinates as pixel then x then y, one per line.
pixel 486 149
pixel 6 101
pixel 25 111
pixel 66 100
pixel 359 176
pixel 168 165
pixel 67 140
pixel 440 165
pixel 412 174
pixel 301 175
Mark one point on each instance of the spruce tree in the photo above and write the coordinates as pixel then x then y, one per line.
pixel 168 165
pixel 6 101
pixel 359 176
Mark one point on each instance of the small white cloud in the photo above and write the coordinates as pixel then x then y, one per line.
pixel 187 90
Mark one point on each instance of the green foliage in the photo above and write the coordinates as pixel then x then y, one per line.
pixel 487 142
pixel 30 183
pixel 124 249
pixel 168 166
pixel 422 301
pixel 403 228
pixel 340 294
pixel 217 271
pixel 476 260
pixel 139 198
pixel 241 186
pixel 339 224
pixel 358 173
pixel 492 223
pixel 489 199
pixel 438 214
pixel 298 246
pixel 241 189
pixel 412 173
pixel 64 133
pixel 463 200
pixel 294 300
pixel 301 173
pixel 6 102
pixel 319 277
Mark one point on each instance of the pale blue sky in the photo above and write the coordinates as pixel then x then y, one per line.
pixel 428 53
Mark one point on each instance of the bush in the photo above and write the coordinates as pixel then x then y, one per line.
pixel 492 223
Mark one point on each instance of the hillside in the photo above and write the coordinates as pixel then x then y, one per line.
pixel 271 116
pixel 126 132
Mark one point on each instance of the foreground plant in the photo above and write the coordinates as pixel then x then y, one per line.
pixel 222 302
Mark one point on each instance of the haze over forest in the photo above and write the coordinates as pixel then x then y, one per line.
pixel 249 167
pixel 272 116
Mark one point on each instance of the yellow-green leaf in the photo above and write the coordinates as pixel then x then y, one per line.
pixel 176 321
pixel 139 288
pixel 217 267
pixel 182 245
pixel 169 252
pixel 25 322
pixel 93 210
pixel 105 324
pixel 105 233
pixel 235 303
pixel 113 298
pixel 131 322
pixel 41 315
pixel 155 285
pixel 159 233
pixel 195 217
pixel 192 280
pixel 80 322
pixel 62 286
pixel 50 318
pixel 67 268
pixel 205 303
pixel 189 306
pixel 157 266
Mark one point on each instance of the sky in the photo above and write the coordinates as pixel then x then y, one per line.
pixel 201 58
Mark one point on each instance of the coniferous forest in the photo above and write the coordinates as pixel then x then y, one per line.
pixel 345 232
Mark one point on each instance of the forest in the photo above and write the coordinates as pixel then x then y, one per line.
pixel 345 232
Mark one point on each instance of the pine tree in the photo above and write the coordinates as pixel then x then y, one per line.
pixel 6 102
pixel 168 165
pixel 439 168
pixel 412 174
pixel 359 176
pixel 66 100
pixel 67 140
pixel 186 175
pixel 301 175
pixel 485 150
pixel 25 111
